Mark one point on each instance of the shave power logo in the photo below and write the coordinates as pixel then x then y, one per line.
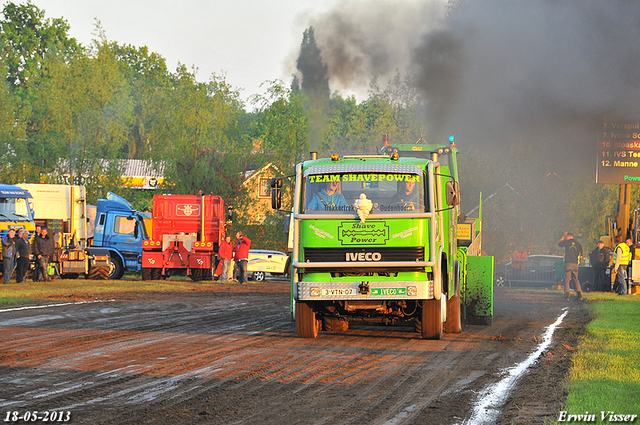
pixel 369 233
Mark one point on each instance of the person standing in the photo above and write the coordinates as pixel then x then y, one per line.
pixel 622 261
pixel 23 247
pixel 572 254
pixel 241 255
pixel 43 251
pixel 8 255
pixel 226 254
pixel 600 258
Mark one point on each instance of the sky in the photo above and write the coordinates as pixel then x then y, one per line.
pixel 252 41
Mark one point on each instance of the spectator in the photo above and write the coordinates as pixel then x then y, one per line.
pixel 572 254
pixel 518 258
pixel 623 258
pixel 24 257
pixel 43 251
pixel 599 259
pixel 241 255
pixel 8 255
pixel 226 254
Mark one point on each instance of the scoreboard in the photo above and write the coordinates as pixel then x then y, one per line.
pixel 619 153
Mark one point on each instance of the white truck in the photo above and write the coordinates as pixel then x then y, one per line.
pixel 63 210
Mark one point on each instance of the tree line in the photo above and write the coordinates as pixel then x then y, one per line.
pixel 71 113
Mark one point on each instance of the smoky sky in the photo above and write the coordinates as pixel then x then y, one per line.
pixel 494 71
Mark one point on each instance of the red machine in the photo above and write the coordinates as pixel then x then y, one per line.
pixel 186 233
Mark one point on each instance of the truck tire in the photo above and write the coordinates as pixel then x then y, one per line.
pixel 306 321
pixel 116 269
pixel 431 319
pixel 98 273
pixel 196 275
pixel 453 324
pixel 147 274
pixel 334 324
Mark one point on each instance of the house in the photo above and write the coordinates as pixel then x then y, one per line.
pixel 257 185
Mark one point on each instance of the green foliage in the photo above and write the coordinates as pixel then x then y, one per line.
pixel 28 38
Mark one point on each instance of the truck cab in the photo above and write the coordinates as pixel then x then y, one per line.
pixel 15 212
pixel 121 229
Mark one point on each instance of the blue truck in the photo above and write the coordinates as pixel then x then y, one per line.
pixel 120 229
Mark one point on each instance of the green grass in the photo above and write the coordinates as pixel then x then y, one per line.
pixel 79 289
pixel 605 371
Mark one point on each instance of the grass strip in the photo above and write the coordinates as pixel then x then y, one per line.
pixel 605 371
pixel 31 293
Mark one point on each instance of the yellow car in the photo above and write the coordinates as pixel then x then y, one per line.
pixel 262 261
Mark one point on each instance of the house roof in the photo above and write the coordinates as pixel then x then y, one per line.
pixel 250 174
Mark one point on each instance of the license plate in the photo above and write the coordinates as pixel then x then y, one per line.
pixel 338 292
pixel 388 291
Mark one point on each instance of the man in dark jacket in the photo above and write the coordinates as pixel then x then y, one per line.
pixel 8 255
pixel 43 251
pixel 572 254
pixel 24 254
pixel 600 258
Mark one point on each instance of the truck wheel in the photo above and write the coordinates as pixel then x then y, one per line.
pixel 116 269
pixel 334 324
pixel 258 276
pixel 98 273
pixel 196 275
pixel 156 274
pixel 453 324
pixel 146 274
pixel 306 320
pixel 431 319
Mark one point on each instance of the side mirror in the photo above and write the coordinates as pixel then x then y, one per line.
pixel 276 193
pixel 453 193
pixel 229 214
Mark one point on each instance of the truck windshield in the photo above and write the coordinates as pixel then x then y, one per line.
pixel 388 192
pixel 15 209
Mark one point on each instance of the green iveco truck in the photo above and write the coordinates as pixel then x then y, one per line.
pixel 378 238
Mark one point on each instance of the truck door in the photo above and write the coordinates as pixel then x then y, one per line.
pixel 123 232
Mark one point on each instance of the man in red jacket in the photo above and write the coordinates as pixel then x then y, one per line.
pixel 241 255
pixel 226 254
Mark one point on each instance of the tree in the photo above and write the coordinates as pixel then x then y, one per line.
pixel 315 80
pixel 27 38
pixel 281 124
pixel 196 130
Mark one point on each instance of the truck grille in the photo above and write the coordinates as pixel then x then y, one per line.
pixel 349 256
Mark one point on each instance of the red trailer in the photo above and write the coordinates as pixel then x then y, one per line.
pixel 186 233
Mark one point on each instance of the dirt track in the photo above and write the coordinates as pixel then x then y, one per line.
pixel 231 356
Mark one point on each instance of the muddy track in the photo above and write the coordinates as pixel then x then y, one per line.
pixel 231 355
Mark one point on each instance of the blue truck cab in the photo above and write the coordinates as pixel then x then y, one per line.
pixel 15 212
pixel 120 229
